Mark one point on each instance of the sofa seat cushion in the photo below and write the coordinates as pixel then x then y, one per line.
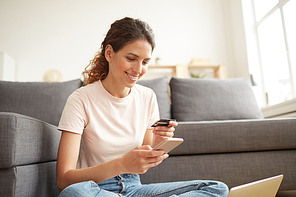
pixel 213 99
pixel 41 100
pixel 211 137
pixel 160 87
pixel 29 180
pixel 233 169
pixel 25 140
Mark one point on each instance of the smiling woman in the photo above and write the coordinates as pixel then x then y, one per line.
pixel 107 138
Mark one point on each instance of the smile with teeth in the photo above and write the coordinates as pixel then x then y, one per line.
pixel 131 76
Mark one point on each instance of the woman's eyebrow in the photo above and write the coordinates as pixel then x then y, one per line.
pixel 148 58
pixel 133 54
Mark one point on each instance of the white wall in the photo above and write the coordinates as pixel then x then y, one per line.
pixel 236 42
pixel 42 35
pixel 7 67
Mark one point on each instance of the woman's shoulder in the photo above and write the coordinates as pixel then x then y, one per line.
pixel 90 87
pixel 85 91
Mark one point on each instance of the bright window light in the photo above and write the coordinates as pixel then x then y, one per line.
pixel 263 6
pixel 274 59
pixel 289 17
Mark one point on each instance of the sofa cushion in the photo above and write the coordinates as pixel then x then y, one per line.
pixel 232 169
pixel 41 100
pixel 234 136
pixel 160 87
pixel 213 99
pixel 29 180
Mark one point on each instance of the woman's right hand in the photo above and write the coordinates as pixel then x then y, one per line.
pixel 141 159
pixel 136 161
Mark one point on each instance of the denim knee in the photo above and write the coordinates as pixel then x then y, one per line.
pixel 216 188
pixel 86 188
pixel 224 190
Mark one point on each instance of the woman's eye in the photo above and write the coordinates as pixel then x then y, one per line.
pixel 145 63
pixel 131 59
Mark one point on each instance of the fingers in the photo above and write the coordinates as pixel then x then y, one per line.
pixel 144 147
pixel 141 158
pixel 147 151
pixel 163 128
pixel 154 161
pixel 164 134
pixel 164 131
pixel 157 159
pixel 173 124
pixel 152 156
pixel 146 159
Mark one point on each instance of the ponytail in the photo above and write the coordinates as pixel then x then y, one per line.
pixel 97 69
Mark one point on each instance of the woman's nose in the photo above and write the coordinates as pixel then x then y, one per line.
pixel 138 68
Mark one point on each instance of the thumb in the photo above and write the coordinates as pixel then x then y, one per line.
pixel 146 147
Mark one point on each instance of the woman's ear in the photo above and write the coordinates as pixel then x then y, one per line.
pixel 109 53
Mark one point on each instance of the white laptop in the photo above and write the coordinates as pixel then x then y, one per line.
pixel 262 188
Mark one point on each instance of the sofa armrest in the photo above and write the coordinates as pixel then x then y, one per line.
pixel 208 137
pixel 25 140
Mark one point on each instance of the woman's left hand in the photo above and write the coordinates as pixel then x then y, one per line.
pixel 163 132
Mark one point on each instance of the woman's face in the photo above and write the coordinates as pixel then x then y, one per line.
pixel 128 64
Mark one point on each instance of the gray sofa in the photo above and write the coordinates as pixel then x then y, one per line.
pixel 226 137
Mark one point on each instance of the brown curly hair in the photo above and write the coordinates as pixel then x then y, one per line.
pixel 121 33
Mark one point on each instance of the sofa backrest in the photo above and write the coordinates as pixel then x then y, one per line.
pixel 41 100
pixel 192 99
pixel 213 99
pixel 161 88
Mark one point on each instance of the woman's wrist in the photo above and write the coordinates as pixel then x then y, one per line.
pixel 119 166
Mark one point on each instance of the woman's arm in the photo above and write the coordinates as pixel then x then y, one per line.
pixel 138 160
pixel 67 173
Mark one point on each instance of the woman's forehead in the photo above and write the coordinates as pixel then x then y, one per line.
pixel 139 48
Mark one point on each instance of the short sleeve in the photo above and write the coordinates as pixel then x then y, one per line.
pixel 74 118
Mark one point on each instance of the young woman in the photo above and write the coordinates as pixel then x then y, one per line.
pixel 106 137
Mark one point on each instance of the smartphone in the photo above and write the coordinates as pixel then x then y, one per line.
pixel 168 144
pixel 162 122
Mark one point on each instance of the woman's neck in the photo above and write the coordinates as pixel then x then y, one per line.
pixel 114 89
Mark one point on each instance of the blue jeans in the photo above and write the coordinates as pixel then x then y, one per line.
pixel 130 185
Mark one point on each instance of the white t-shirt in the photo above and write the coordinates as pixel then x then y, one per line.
pixel 110 126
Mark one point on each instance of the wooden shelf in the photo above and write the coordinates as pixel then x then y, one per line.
pixel 177 70
pixel 219 69
pixel 182 71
